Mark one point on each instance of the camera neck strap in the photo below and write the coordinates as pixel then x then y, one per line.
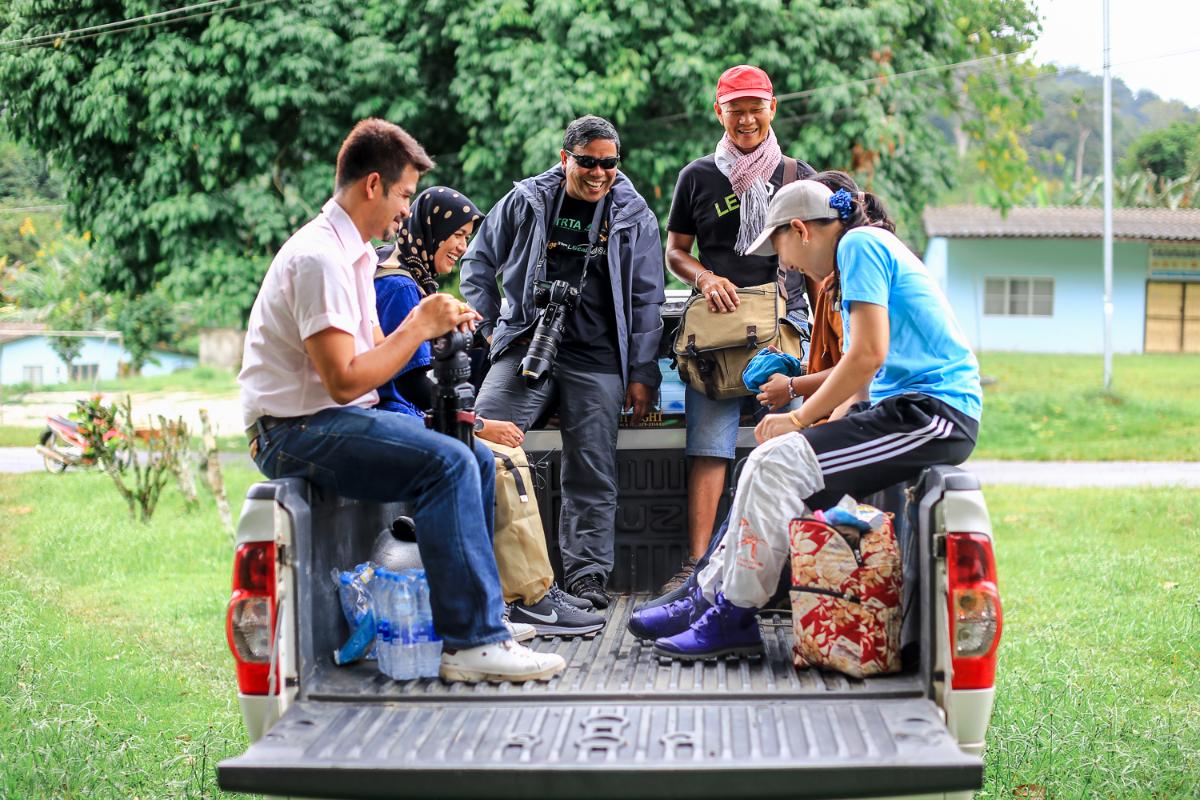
pixel 599 219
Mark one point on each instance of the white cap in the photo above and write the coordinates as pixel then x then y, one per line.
pixel 802 200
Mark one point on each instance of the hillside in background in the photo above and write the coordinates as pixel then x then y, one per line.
pixel 1066 143
pixel 1064 146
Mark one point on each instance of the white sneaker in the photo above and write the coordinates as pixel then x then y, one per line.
pixel 500 661
pixel 520 631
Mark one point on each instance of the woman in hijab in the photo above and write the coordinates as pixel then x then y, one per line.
pixel 428 243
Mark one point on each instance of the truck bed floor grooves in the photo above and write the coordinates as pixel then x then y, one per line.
pixel 614 664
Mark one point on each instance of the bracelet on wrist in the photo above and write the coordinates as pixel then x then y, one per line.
pixel 696 283
pixel 791 389
pixel 795 418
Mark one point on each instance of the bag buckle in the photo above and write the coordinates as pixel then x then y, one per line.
pixel 752 336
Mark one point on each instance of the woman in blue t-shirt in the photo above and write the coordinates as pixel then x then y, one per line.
pixel 904 396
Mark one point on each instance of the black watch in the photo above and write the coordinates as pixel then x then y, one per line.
pixel 478 424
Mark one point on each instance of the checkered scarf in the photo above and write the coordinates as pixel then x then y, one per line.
pixel 749 174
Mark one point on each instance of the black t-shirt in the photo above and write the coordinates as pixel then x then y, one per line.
pixel 590 339
pixel 704 205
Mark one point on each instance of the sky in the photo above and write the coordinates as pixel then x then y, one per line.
pixel 1145 34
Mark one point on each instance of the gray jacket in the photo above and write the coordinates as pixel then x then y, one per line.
pixel 511 242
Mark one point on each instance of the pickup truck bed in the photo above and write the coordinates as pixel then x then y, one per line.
pixel 618 723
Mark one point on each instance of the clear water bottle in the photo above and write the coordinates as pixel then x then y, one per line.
pixel 404 662
pixel 382 599
pixel 429 644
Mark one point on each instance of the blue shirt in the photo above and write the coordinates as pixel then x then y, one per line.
pixel 395 296
pixel 927 352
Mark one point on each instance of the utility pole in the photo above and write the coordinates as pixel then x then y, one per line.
pixel 1108 204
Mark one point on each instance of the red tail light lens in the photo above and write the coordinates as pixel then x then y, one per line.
pixel 975 614
pixel 250 617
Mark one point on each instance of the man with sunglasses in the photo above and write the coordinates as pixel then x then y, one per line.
pixel 582 222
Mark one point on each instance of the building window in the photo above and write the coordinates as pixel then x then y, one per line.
pixel 81 373
pixel 32 375
pixel 1018 297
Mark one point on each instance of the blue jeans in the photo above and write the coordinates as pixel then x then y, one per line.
pixel 381 456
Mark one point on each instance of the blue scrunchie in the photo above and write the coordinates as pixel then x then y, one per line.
pixel 765 364
pixel 842 202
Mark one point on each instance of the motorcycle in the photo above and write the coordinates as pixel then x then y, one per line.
pixel 61 445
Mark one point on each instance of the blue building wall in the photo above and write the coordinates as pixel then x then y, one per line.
pixel 35 350
pixel 1077 267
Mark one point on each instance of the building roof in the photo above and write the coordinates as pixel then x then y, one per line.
pixel 1162 224
pixel 11 331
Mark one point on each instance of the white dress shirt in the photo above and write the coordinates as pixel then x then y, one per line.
pixel 322 277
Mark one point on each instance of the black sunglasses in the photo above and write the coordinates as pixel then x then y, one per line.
pixel 590 162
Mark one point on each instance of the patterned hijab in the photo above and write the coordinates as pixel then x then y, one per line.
pixel 437 213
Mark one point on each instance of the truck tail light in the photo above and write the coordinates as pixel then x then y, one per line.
pixel 975 615
pixel 250 617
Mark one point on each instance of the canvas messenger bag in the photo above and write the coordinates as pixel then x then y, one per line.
pixel 712 349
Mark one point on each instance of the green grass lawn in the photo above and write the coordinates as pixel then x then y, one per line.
pixel 115 679
pixel 1099 673
pixel 206 380
pixel 15 436
pixel 1052 407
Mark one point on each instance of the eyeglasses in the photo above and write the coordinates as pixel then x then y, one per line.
pixel 591 162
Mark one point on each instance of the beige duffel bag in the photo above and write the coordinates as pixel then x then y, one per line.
pixel 520 543
pixel 712 349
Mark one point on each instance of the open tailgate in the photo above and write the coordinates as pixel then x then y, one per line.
pixel 767 747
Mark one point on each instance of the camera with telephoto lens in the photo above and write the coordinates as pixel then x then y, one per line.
pixel 453 396
pixel 557 299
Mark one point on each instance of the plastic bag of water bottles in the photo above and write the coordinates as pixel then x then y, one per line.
pixel 391 619
pixel 354 595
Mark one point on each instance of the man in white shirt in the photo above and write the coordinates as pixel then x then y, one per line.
pixel 313 356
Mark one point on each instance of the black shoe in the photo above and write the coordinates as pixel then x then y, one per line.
pixel 552 617
pixel 562 597
pixel 590 587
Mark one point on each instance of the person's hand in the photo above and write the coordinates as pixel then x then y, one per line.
pixel 441 313
pixel 773 425
pixel 774 392
pixel 501 432
pixel 639 397
pixel 720 293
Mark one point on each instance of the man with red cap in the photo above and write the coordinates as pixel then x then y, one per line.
pixel 720 202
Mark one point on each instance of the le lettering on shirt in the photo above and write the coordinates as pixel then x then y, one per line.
pixel 927 351
pixel 321 278
pixel 705 206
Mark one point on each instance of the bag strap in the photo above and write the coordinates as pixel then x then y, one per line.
pixel 790 169
pixel 517 479
pixel 383 272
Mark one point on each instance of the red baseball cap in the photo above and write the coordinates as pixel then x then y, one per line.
pixel 744 81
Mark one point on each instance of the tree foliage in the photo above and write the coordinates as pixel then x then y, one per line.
pixel 1169 152
pixel 192 150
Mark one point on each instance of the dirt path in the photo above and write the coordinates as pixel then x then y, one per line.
pixel 224 410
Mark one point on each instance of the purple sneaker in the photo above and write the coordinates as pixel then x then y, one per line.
pixel 723 630
pixel 658 622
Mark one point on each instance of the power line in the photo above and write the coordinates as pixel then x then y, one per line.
pixel 782 98
pixel 1155 58
pixel 107 25
pixel 145 25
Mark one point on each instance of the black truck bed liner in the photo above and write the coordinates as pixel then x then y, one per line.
pixel 616 664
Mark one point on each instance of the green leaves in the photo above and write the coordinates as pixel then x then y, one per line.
pixel 194 149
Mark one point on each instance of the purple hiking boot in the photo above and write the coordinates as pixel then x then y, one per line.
pixel 658 622
pixel 723 630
